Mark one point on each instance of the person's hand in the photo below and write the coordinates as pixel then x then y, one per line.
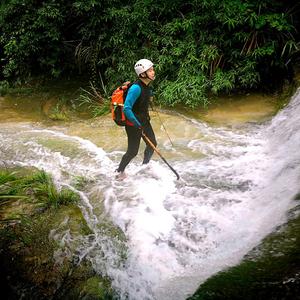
pixel 141 129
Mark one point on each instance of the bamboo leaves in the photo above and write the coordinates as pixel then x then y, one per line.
pixel 198 47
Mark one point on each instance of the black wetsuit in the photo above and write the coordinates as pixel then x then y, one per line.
pixel 136 109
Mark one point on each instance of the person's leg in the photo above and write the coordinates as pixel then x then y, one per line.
pixel 148 130
pixel 133 138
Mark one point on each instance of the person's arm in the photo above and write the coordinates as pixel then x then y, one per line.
pixel 134 93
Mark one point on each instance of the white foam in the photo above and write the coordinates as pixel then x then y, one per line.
pixel 179 235
pixel 237 190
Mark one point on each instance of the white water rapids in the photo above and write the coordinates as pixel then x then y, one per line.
pixel 237 185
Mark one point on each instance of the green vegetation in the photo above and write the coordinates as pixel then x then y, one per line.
pixel 31 208
pixel 200 48
pixel 4 86
pixel 35 188
pixel 92 99
pixel 59 111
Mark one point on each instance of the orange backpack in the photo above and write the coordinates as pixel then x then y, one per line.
pixel 117 103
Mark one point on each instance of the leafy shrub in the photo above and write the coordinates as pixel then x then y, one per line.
pixel 31 37
pixel 4 86
pixel 199 47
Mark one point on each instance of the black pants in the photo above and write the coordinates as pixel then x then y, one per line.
pixel 134 137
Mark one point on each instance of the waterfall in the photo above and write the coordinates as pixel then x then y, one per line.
pixel 238 184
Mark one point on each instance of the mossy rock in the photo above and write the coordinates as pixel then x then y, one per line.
pixel 270 271
pixel 27 264
pixel 94 289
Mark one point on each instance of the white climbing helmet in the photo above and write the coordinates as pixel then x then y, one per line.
pixel 142 66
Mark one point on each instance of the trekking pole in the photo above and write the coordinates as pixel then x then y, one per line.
pixel 161 122
pixel 156 150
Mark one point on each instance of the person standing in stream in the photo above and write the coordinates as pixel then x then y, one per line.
pixel 136 110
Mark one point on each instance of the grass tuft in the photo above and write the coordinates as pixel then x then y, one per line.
pixel 92 99
pixel 37 187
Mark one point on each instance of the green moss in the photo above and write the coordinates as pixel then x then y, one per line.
pixel 270 271
pixel 63 146
pixel 80 182
pixel 95 288
pixel 76 222
pixel 285 95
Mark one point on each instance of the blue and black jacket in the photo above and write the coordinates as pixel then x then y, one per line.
pixel 136 106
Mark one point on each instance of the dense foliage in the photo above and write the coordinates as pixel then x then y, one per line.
pixel 199 47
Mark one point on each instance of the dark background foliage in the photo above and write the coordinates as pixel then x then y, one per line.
pixel 200 47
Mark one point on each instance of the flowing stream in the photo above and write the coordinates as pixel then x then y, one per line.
pixel 237 184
